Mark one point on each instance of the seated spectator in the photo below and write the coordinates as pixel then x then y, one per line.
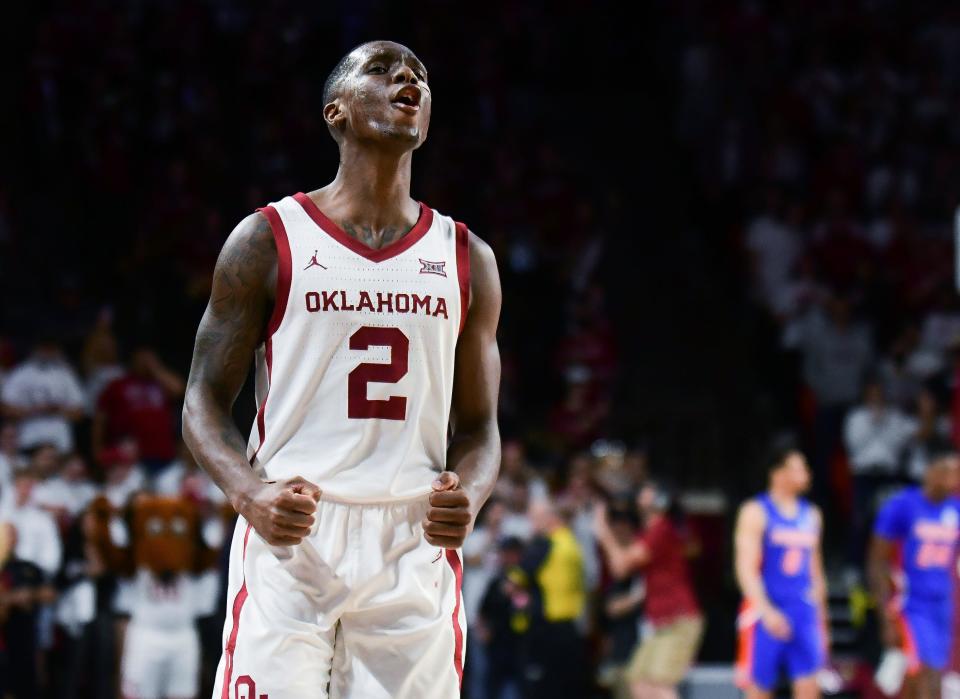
pixel 43 396
pixel 124 474
pixel 67 492
pixel 38 539
pixel 671 605
pixel 875 434
pixel 139 405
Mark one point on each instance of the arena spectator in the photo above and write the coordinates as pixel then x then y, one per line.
pixel 553 563
pixel 480 565
pixel 139 405
pixel 837 354
pixel 515 469
pixel 876 435
pixel 101 363
pixel 10 461
pixel 622 609
pixel 184 478
pixel 930 427
pixel 661 551
pixel 43 397
pixel 124 474
pixel 38 539
pixel 68 491
pixel 502 623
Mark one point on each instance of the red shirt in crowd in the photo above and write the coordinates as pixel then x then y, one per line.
pixel 139 408
pixel 669 590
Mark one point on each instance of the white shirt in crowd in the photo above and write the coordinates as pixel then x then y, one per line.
pixel 776 248
pixel 60 494
pixel 169 482
pixel 875 439
pixel 835 360
pixel 120 491
pixel 37 383
pixel 476 577
pixel 38 540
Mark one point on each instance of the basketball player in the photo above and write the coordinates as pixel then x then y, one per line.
pixel 915 536
pixel 372 318
pixel 779 566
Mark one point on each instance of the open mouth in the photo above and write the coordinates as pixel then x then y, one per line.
pixel 407 99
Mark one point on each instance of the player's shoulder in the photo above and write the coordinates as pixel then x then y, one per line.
pixel 902 499
pixel 752 510
pixel 251 244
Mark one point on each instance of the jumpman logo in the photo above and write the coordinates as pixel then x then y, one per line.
pixel 313 262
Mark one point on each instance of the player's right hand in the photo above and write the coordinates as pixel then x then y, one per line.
pixel 776 624
pixel 281 512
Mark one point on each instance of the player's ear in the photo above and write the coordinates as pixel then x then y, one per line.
pixel 334 115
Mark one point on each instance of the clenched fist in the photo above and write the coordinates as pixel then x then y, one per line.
pixel 450 517
pixel 282 511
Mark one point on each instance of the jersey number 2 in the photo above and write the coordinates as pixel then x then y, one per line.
pixel 358 405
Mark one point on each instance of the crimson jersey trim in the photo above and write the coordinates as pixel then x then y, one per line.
pixel 398 246
pixel 238 603
pixel 284 268
pixel 454 560
pixel 463 270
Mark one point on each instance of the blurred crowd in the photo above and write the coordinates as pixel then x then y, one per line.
pixel 80 448
pixel 825 152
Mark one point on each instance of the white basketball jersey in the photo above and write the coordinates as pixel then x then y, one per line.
pixel 355 375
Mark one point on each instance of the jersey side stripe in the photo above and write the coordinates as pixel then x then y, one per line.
pixel 463 270
pixel 284 265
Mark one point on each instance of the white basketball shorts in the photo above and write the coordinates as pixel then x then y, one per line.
pixel 363 608
pixel 160 663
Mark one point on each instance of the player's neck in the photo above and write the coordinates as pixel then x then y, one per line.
pixel 933 494
pixel 372 187
pixel 784 499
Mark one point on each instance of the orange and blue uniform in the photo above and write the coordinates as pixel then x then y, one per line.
pixel 926 533
pixel 786 569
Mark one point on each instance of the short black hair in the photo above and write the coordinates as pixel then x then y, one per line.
pixel 778 450
pixel 331 86
pixel 940 448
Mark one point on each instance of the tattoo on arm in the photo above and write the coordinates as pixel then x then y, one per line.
pixel 230 331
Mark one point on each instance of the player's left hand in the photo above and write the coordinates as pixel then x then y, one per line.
pixel 450 516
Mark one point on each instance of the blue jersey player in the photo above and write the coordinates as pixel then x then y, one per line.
pixel 779 565
pixel 913 547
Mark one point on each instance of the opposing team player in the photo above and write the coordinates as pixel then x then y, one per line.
pixel 372 318
pixel 779 566
pixel 914 541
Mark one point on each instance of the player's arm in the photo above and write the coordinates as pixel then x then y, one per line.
pixel 622 560
pixel 232 326
pixel 473 456
pixel 748 545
